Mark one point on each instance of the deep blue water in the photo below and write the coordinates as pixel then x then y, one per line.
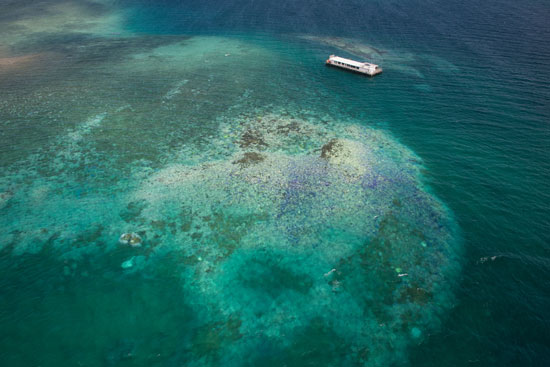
pixel 205 127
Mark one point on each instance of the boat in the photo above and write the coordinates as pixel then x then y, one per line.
pixel 365 68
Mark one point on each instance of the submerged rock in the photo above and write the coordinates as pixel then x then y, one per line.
pixel 252 138
pixel 331 149
pixel 132 239
pixel 136 262
pixel 416 332
pixel 135 240
pixel 128 263
pixel 344 152
pixel 125 238
pixel 250 158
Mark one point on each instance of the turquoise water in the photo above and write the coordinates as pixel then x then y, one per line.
pixel 187 184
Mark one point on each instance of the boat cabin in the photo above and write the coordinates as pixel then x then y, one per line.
pixel 365 68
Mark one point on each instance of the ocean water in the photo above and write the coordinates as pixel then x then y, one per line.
pixel 185 183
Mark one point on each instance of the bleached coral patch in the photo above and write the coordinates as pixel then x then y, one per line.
pixel 293 220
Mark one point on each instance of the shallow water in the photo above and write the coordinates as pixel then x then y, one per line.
pixel 283 213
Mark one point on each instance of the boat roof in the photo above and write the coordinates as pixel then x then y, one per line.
pixel 350 62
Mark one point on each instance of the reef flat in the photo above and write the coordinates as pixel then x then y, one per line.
pixel 238 218
pixel 283 227
pixel 308 225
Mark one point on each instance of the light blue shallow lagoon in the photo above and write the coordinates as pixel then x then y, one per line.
pixel 185 183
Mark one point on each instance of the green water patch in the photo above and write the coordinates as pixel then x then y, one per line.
pixel 316 344
pixel 91 312
pixel 272 278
